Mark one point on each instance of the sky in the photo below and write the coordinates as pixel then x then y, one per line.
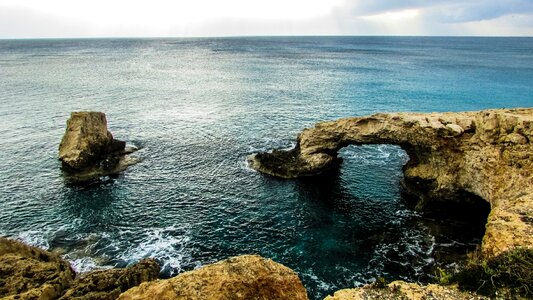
pixel 196 18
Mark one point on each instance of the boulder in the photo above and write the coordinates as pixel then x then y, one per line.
pixel 31 273
pixel 488 154
pixel 242 277
pixel 88 150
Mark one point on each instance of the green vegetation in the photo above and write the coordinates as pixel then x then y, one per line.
pixel 510 274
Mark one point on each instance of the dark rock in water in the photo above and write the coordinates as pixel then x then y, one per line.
pixel 109 284
pixel 89 151
pixel 31 273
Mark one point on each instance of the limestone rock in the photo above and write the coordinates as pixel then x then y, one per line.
pixel 242 277
pixel 30 273
pixel 487 153
pixel 88 150
pixel 108 284
pixel 402 290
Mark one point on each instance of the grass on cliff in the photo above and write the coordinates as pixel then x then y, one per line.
pixel 510 273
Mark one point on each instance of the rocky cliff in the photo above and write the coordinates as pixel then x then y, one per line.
pixel 243 277
pixel 31 273
pixel 88 150
pixel 487 153
pixel 401 290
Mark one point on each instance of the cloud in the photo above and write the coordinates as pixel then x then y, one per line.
pixel 28 23
pixel 102 18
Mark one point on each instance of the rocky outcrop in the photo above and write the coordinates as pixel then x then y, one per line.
pixel 109 284
pixel 487 153
pixel 402 290
pixel 88 150
pixel 31 273
pixel 243 277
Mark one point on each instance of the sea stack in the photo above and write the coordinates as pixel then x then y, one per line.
pixel 488 154
pixel 88 149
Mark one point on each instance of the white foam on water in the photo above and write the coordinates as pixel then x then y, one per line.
pixel 35 238
pixel 164 245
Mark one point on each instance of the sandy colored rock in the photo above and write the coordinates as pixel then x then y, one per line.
pixel 402 290
pixel 86 140
pixel 31 273
pixel 89 151
pixel 108 284
pixel 242 277
pixel 486 153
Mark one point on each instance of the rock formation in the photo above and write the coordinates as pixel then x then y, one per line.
pixel 402 290
pixel 487 153
pixel 88 150
pixel 31 273
pixel 243 277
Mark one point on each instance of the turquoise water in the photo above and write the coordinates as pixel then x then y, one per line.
pixel 198 107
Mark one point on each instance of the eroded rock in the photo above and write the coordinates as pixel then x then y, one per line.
pixel 109 284
pixel 31 273
pixel 487 153
pixel 402 290
pixel 88 150
pixel 242 277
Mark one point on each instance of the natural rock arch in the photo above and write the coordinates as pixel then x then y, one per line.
pixel 487 153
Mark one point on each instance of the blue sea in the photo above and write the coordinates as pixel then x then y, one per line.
pixel 197 107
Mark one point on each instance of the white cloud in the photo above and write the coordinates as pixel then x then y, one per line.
pixel 68 18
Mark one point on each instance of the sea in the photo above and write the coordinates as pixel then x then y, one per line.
pixel 197 107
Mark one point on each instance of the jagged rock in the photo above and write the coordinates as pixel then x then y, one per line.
pixel 108 284
pixel 88 150
pixel 487 153
pixel 31 273
pixel 402 290
pixel 242 277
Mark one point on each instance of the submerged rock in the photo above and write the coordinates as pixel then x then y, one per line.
pixel 488 154
pixel 88 150
pixel 242 277
pixel 404 291
pixel 31 273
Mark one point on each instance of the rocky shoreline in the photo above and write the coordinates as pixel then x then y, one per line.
pixel 487 154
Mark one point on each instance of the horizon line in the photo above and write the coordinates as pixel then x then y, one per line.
pixel 256 36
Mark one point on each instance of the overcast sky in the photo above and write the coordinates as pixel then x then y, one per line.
pixel 185 18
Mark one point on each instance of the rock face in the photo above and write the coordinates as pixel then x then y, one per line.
pixel 108 284
pixel 487 153
pixel 243 277
pixel 31 273
pixel 88 150
pixel 402 290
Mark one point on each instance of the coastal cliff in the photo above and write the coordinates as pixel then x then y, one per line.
pixel 28 272
pixel 487 154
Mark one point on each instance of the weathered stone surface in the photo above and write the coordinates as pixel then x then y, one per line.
pixel 88 150
pixel 30 273
pixel 402 290
pixel 242 277
pixel 486 153
pixel 108 284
